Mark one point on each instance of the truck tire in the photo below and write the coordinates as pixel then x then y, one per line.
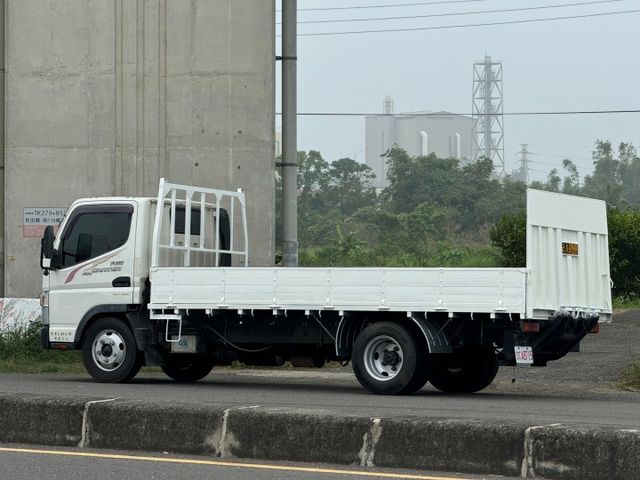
pixel 419 380
pixel 187 368
pixel 464 372
pixel 386 360
pixel 109 351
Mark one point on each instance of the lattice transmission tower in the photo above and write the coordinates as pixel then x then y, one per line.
pixel 522 173
pixel 487 113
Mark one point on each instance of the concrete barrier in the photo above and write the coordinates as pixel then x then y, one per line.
pixel 295 436
pixel 553 451
pixel 40 419
pixel 576 453
pixel 451 445
pixel 154 427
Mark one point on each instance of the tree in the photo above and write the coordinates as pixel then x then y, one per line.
pixel 350 185
pixel 427 223
pixel 416 180
pixel 624 251
pixel 314 224
pixel 629 169
pixel 605 182
pixel 377 225
pixel 553 181
pixel 477 196
pixel 571 183
pixel 509 236
pixel 312 178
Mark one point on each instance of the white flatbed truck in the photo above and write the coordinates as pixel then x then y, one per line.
pixel 137 281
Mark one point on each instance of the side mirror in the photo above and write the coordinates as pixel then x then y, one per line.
pixel 46 243
pixel 46 249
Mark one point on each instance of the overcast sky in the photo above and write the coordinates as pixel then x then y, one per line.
pixel 571 64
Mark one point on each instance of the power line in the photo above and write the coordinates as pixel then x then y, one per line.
pixel 559 163
pixel 552 164
pixel 541 171
pixel 397 5
pixel 446 114
pixel 453 14
pixel 470 25
pixel 570 157
pixel 548 164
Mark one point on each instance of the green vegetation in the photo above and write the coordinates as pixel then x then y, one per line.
pixel 626 302
pixel 436 212
pixel 509 236
pixel 349 252
pixel 630 379
pixel 20 352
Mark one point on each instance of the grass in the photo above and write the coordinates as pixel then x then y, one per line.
pixel 630 379
pixel 20 352
pixel 626 302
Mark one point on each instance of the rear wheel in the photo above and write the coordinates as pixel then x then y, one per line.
pixel 419 380
pixel 187 368
pixel 109 351
pixel 386 360
pixel 465 372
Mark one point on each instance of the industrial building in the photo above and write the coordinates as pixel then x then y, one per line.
pixel 445 134
pixel 103 98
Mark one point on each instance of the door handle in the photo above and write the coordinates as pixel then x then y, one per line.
pixel 121 282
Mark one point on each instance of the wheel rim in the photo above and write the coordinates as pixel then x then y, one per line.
pixel 108 350
pixel 383 358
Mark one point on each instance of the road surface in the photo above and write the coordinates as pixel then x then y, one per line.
pixel 19 462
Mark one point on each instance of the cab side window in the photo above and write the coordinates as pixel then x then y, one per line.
pixel 92 232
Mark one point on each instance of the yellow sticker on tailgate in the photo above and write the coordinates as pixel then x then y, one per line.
pixel 569 248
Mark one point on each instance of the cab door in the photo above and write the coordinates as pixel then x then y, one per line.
pixel 95 259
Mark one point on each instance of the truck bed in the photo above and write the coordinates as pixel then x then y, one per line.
pixel 464 290
pixel 567 266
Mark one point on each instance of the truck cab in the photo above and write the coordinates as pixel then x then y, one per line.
pixel 94 264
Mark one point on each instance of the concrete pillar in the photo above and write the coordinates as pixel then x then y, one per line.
pixel 105 97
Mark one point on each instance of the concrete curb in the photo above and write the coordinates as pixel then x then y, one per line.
pixel 39 419
pixel 552 451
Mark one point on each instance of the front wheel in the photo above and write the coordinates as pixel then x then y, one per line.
pixel 386 360
pixel 464 372
pixel 109 351
pixel 187 368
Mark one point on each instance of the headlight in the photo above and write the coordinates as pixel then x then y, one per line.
pixel 44 299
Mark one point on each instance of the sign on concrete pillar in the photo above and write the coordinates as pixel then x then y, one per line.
pixel 36 219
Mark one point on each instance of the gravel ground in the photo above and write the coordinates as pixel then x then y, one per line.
pixel 595 369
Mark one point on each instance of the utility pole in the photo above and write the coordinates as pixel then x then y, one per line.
pixel 2 159
pixel 289 134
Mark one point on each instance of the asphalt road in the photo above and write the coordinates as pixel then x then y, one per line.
pixel 339 393
pixel 33 463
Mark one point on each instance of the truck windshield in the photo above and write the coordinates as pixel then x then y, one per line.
pixel 93 233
